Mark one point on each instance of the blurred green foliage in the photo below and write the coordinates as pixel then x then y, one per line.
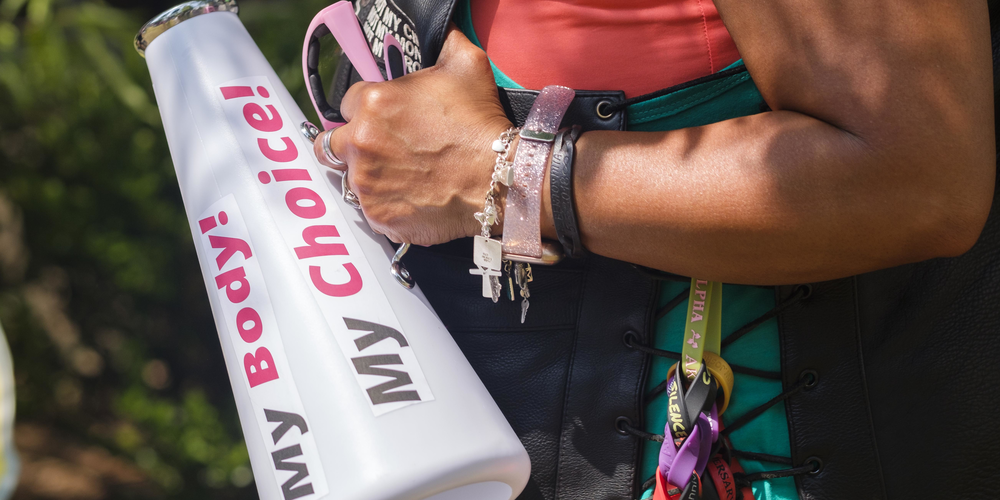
pixel 101 295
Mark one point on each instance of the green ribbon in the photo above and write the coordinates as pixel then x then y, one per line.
pixel 703 328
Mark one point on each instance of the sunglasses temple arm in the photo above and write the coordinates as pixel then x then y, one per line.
pixel 342 22
pixel 390 41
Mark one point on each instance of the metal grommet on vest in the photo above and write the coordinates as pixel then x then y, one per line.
pixel 604 115
pixel 630 338
pixel 621 424
pixel 811 377
pixel 817 465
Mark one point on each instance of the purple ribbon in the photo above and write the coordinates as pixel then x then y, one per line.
pixel 678 464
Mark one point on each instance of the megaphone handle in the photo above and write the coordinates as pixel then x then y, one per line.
pixel 398 270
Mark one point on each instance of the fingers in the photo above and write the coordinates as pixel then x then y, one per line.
pixel 377 229
pixel 352 100
pixel 461 56
pixel 337 137
pixel 455 43
pixel 347 187
pixel 334 140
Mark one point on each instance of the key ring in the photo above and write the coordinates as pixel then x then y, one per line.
pixel 677 463
pixel 723 374
pixel 398 271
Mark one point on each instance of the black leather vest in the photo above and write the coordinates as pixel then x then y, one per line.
pixel 907 358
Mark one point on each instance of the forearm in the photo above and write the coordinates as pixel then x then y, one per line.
pixel 880 150
pixel 773 198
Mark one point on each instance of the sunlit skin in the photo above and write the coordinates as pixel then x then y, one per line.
pixel 879 151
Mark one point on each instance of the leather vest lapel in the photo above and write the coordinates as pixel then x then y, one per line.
pixel 419 25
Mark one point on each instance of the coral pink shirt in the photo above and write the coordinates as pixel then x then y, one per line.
pixel 638 46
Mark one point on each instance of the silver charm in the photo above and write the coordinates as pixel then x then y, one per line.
pixel 522 273
pixel 491 282
pixel 504 175
pixel 488 216
pixel 495 288
pixel 486 253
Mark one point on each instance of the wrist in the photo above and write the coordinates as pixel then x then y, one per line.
pixel 489 216
pixel 560 191
pixel 482 164
pixel 546 220
pixel 522 236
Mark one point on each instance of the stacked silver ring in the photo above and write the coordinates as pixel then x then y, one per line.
pixel 398 270
pixel 349 196
pixel 329 152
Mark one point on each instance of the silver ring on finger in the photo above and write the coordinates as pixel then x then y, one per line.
pixel 349 196
pixel 332 158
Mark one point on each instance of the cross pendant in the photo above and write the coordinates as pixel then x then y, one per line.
pixel 491 282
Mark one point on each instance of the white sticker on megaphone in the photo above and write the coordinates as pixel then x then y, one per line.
pixel 317 235
pixel 253 333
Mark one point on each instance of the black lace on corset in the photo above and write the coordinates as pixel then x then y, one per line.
pixel 807 380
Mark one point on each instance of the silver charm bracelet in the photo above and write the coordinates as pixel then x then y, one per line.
pixel 487 252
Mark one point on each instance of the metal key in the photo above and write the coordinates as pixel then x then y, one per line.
pixel 522 273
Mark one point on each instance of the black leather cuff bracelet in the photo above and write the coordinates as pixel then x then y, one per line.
pixel 561 191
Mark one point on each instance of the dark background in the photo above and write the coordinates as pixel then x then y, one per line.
pixel 121 387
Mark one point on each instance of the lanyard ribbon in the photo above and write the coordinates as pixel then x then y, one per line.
pixel 703 328
pixel 692 414
pixel 692 426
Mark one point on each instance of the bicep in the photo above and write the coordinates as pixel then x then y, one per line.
pixel 857 64
pixel 908 81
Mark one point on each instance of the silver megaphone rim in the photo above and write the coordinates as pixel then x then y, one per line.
pixel 176 15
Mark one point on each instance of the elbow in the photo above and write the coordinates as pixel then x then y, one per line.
pixel 952 220
pixel 962 230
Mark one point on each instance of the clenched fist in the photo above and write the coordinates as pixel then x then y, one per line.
pixel 417 148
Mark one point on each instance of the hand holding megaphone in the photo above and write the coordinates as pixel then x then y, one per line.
pixel 417 148
pixel 348 386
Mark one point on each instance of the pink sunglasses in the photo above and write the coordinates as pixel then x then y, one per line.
pixel 340 21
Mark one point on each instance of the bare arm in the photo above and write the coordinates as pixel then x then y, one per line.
pixel 879 152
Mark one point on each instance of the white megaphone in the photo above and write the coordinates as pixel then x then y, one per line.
pixel 348 385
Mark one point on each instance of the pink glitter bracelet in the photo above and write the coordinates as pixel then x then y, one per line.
pixel 522 237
